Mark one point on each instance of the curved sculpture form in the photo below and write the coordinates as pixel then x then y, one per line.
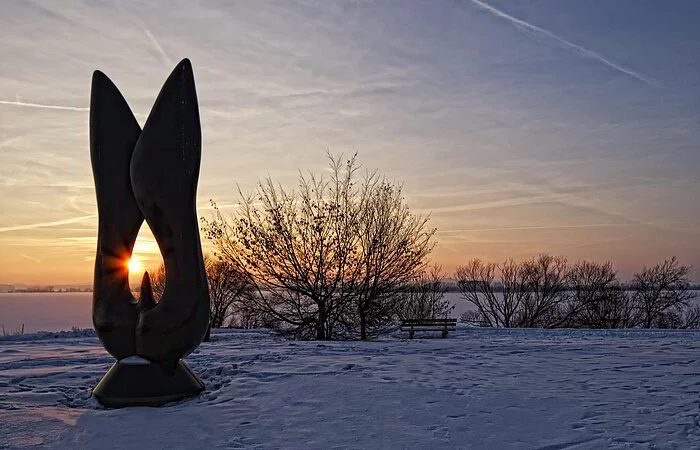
pixel 113 135
pixel 164 173
pixel 149 174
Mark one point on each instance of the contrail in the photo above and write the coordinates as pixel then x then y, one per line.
pixel 48 224
pixel 582 51
pixel 29 257
pixel 159 48
pixel 135 20
pixel 542 227
pixel 517 201
pixel 56 107
pixel 43 106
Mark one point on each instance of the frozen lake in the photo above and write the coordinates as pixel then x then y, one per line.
pixel 57 311
pixel 45 311
pixel 53 311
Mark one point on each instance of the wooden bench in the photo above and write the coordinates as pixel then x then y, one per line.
pixel 442 325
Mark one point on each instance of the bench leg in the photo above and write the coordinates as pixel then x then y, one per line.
pixel 444 334
pixel 410 334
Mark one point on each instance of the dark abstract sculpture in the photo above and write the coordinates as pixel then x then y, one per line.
pixel 149 174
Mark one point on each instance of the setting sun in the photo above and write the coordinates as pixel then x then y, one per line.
pixel 134 265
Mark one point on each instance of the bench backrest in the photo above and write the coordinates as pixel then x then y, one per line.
pixel 429 322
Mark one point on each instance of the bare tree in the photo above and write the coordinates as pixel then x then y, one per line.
pixel 473 318
pixel 660 289
pixel 228 289
pixel 596 298
pixel 247 317
pixel 691 317
pixel 157 278
pixel 515 292
pixel 547 292
pixel 393 245
pixel 545 277
pixel 424 297
pixel 476 282
pixel 326 258
pixel 293 247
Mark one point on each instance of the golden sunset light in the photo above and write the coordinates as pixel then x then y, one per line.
pixel 135 266
pixel 349 224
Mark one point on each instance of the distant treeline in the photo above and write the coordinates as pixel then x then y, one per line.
pixel 453 286
pixel 38 289
pixel 549 292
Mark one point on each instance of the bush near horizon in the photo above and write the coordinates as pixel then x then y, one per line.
pixel 229 291
pixel 329 260
pixel 548 292
pixel 581 295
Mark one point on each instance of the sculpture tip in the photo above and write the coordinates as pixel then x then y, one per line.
pixel 146 301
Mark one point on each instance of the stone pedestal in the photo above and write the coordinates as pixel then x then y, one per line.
pixel 140 383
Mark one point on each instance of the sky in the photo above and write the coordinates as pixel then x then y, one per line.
pixel 559 126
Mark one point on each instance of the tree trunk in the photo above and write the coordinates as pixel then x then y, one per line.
pixel 320 330
pixel 363 324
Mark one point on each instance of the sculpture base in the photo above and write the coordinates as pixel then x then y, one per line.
pixel 145 384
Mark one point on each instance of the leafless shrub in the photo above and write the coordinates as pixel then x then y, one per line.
pixel 476 282
pixel 247 317
pixel 392 248
pixel 691 317
pixel 659 291
pixel 229 290
pixel 545 278
pixel 424 297
pixel 18 332
pixel 547 292
pixel 328 259
pixel 596 298
pixel 473 318
pixel 534 292
pixel 157 279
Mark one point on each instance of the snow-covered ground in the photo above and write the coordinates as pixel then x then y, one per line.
pixel 478 388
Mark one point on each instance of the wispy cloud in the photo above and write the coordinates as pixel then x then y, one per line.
pixel 31 226
pixel 493 136
pixel 527 26
pixel 10 141
pixel 43 106
pixel 556 227
pixel 208 207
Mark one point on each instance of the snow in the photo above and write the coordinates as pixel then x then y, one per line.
pixel 479 388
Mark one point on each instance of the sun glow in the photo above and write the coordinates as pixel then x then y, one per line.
pixel 134 264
